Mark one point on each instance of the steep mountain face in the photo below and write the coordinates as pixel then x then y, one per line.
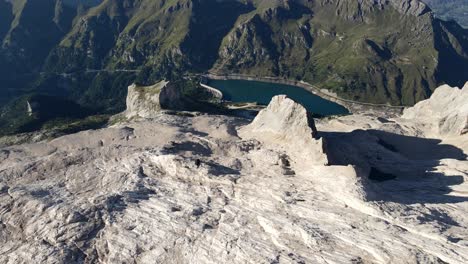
pixel 36 28
pixel 161 34
pixel 369 51
pixel 376 51
pixel 6 16
pixel 451 10
pixel 29 30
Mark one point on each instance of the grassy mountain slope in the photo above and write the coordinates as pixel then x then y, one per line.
pixel 6 17
pixel 37 27
pixel 372 50
pixel 364 52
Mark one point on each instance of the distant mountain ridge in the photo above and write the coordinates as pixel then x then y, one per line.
pixel 375 51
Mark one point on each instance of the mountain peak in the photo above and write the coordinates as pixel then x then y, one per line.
pixel 412 7
pixel 287 124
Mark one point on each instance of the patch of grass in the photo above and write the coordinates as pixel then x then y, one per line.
pixel 68 126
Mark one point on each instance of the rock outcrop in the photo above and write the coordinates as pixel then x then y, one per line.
pixel 287 124
pixel 29 108
pixel 412 7
pixel 144 101
pixel 445 114
pixel 148 101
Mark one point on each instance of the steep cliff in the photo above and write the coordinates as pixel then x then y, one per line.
pixel 144 101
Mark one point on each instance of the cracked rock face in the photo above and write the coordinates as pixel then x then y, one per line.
pixel 200 189
pixel 144 101
pixel 287 124
pixel 148 101
pixel 446 112
pixel 413 7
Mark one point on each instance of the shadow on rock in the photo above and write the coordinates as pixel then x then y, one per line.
pixel 415 148
pixel 398 168
pixel 220 170
pixel 187 146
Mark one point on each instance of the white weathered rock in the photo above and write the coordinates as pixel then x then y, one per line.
pixel 286 124
pixel 445 113
pixel 180 189
pixel 148 101
pixel 29 108
pixel 144 101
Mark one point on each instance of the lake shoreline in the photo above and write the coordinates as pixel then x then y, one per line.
pixel 353 106
pixel 241 91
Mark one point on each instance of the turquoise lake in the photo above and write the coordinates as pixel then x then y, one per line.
pixel 261 92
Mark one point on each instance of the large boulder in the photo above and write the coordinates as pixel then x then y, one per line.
pixel 288 125
pixel 148 101
pixel 445 114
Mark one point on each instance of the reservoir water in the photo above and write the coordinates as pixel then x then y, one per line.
pixel 262 92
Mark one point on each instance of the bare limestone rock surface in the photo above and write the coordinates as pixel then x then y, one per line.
pixel 210 189
pixel 286 124
pixel 144 101
pixel 148 101
pixel 446 112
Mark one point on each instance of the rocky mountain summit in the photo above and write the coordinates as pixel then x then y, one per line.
pixel 413 7
pixel 287 124
pixel 198 188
